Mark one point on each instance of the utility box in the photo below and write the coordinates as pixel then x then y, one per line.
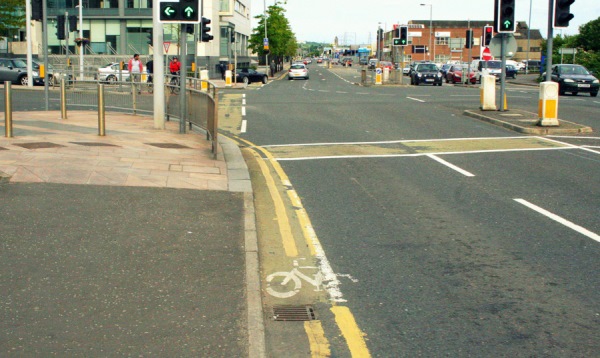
pixel 548 104
pixel 487 93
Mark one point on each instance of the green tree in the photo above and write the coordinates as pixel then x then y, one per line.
pixel 589 36
pixel 282 41
pixel 12 16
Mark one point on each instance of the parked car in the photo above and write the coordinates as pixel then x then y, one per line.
pixel 15 71
pixel 511 71
pixel 110 73
pixel 386 64
pixel 574 79
pixel 444 69
pixel 481 67
pixel 373 63
pixel 455 74
pixel 534 65
pixel 425 73
pixel 298 71
pixel 346 61
pixel 248 75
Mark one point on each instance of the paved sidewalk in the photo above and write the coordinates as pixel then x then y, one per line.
pixel 137 243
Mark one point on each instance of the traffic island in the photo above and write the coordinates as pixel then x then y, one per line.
pixel 526 122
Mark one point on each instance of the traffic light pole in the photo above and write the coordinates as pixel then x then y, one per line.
pixel 45 49
pixel 549 43
pixel 502 74
pixel 182 77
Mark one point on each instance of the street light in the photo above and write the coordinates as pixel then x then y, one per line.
pixel 430 26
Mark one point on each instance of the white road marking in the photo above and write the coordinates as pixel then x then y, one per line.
pixel 560 220
pixel 596 102
pixel 416 99
pixel 572 136
pixel 244 125
pixel 450 165
pixel 243 101
pixel 243 110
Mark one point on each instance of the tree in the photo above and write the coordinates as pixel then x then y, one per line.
pixel 12 16
pixel 588 37
pixel 282 41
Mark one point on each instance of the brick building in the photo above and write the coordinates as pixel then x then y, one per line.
pixel 448 39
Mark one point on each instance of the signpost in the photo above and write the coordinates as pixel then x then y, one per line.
pixel 487 54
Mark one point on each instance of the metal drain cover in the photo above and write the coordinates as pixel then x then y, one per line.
pixel 293 313
pixel 94 144
pixel 167 145
pixel 39 145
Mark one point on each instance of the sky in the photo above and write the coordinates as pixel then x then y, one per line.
pixel 355 22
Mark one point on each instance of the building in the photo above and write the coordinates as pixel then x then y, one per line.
pixel 445 41
pixel 120 28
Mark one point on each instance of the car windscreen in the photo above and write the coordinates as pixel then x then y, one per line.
pixel 573 70
pixel 19 63
pixel 297 67
pixel 494 64
pixel 428 67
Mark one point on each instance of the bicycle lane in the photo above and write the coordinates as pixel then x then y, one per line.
pixel 302 300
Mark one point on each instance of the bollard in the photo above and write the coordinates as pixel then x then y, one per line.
pixel 228 78
pixel 487 93
pixel 204 80
pixel 378 76
pixel 386 74
pixel 363 76
pixel 63 99
pixel 101 118
pixel 548 104
pixel 8 132
pixel 134 96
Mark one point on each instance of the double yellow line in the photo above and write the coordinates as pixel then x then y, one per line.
pixel 319 345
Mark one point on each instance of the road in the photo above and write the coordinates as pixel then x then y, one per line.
pixel 445 236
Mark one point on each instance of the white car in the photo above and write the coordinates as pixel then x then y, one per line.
pixel 298 70
pixel 111 74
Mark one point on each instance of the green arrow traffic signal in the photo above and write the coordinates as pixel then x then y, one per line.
pixel 507 24
pixel 189 12
pixel 169 11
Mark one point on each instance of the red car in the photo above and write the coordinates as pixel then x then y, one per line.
pixel 455 73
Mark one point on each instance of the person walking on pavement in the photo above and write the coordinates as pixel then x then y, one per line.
pixel 222 70
pixel 135 68
pixel 150 69
pixel 272 68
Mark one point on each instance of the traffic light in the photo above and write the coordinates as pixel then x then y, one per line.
pixel 150 36
pixel 189 28
pixel 397 31
pixel 562 13
pixel 469 37
pixel 205 36
pixel 37 10
pixel 72 23
pixel 232 36
pixel 488 33
pixel 403 35
pixel 184 11
pixel 60 27
pixel 504 21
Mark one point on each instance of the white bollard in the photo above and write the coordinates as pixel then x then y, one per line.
pixel 386 74
pixel 548 104
pixel 228 78
pixel 487 93
pixel 203 80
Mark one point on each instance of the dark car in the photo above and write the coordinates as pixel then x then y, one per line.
pixel 248 75
pixel 15 70
pixel 574 79
pixel 444 69
pixel 425 73
pixel 346 61
pixel 511 71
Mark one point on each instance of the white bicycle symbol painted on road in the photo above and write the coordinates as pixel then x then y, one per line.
pixel 277 282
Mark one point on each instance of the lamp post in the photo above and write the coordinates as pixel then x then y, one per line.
pixel 82 47
pixel 430 26
pixel 528 38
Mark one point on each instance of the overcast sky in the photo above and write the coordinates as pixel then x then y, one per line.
pixel 356 21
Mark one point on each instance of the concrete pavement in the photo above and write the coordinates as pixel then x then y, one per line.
pixel 137 243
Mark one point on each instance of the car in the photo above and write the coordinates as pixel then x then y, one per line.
pixel 346 61
pixel 455 73
pixel 363 61
pixel 110 73
pixel 15 71
pixel 320 60
pixel 444 69
pixel 298 71
pixel 335 61
pixel 406 69
pixel 492 67
pixel 426 73
pixel 532 65
pixel 574 79
pixel 386 64
pixel 248 75
pixel 511 71
pixel 373 63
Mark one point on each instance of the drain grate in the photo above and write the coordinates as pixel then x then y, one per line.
pixel 94 144
pixel 39 145
pixel 168 145
pixel 294 313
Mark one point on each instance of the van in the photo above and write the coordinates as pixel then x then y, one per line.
pixel 481 67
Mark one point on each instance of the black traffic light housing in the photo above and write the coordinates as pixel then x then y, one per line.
pixel 189 28
pixel 150 36
pixel 184 11
pixel 488 33
pixel 469 36
pixel 403 35
pixel 72 23
pixel 60 27
pixel 232 36
pixel 562 13
pixel 205 29
pixel 37 10
pixel 504 19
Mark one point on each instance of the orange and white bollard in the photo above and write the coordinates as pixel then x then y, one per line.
pixel 548 104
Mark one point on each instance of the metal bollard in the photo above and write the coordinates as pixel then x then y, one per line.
pixel 134 95
pixel 101 117
pixel 63 99
pixel 8 109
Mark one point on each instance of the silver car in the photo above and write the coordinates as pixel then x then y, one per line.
pixel 298 70
pixel 110 73
pixel 15 70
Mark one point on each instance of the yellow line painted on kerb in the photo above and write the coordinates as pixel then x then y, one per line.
pixel 319 345
pixel 353 335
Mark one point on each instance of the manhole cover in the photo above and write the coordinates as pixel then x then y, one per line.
pixel 39 145
pixel 94 144
pixel 293 313
pixel 167 145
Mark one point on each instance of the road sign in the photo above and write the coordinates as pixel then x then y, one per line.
pixel 166 46
pixel 510 47
pixel 487 54
pixel 265 43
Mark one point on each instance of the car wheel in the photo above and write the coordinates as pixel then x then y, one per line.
pixel 23 80
pixel 264 80
pixel 594 94
pixel 245 80
pixel 111 79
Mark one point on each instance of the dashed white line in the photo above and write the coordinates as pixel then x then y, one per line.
pixel 416 99
pixel 450 165
pixel 244 126
pixel 243 110
pixel 560 220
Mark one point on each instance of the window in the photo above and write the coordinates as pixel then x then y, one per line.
pixel 535 49
pixel 226 7
pixel 442 58
pixel 456 45
pixel 441 40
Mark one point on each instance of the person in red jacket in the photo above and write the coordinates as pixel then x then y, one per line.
pixel 175 66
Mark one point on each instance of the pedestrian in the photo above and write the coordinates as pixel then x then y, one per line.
pixel 150 69
pixel 135 68
pixel 222 70
pixel 272 68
